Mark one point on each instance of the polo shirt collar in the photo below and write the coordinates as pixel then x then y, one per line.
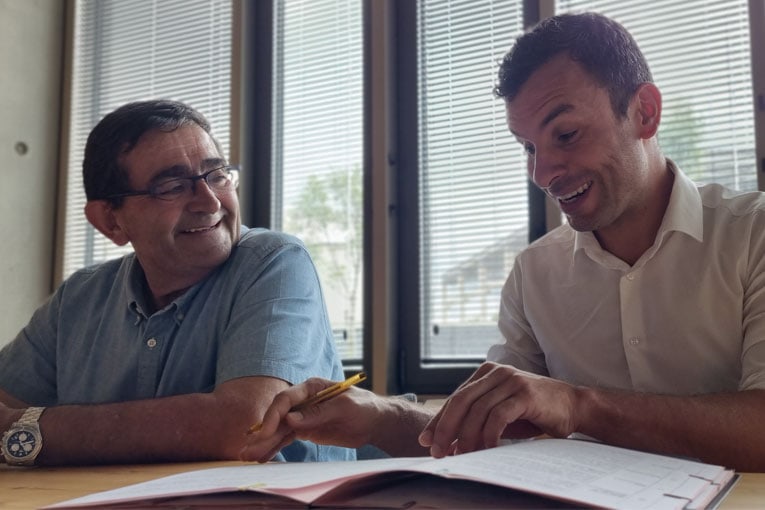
pixel 135 290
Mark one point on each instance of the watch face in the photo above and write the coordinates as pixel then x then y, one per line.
pixel 21 444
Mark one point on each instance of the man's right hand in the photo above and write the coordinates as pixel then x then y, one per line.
pixel 344 420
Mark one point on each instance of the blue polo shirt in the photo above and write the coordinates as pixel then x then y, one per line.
pixel 261 313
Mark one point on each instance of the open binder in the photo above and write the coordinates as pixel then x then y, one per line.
pixel 531 474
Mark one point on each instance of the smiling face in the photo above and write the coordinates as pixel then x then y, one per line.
pixel 178 242
pixel 589 161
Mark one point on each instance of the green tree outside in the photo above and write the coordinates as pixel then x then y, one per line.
pixel 328 218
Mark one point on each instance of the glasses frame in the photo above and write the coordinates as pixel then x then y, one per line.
pixel 231 170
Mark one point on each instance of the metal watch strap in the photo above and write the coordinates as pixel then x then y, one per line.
pixel 30 416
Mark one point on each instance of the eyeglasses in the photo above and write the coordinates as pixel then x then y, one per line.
pixel 220 180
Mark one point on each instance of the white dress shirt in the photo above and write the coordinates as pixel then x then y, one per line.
pixel 687 318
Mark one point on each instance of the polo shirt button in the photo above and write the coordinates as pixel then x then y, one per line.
pixel 630 277
pixel 634 340
pixel 151 342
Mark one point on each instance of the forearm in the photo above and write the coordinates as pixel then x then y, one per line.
pixel 398 427
pixel 168 429
pixel 196 426
pixel 722 429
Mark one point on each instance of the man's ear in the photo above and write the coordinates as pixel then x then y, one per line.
pixel 100 214
pixel 648 110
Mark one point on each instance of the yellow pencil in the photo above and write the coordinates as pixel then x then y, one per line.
pixel 323 395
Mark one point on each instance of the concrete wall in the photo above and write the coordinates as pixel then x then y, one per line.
pixel 31 51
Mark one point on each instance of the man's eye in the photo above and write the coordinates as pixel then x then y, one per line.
pixel 218 178
pixel 529 148
pixel 169 188
pixel 567 137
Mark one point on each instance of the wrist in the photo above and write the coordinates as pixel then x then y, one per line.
pixel 22 442
pixel 587 410
pixel 397 426
pixel 9 416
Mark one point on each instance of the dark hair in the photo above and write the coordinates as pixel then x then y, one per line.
pixel 600 45
pixel 119 131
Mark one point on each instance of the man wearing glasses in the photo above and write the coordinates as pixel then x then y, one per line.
pixel 172 352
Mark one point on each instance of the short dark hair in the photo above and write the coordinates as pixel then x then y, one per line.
pixel 119 131
pixel 599 44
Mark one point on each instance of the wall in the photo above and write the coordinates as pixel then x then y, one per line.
pixel 31 49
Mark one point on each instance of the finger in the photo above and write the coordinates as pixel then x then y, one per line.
pixel 271 453
pixel 287 399
pixel 489 414
pixel 264 448
pixel 426 436
pixel 458 420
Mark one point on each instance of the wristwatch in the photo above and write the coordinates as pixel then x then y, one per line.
pixel 22 442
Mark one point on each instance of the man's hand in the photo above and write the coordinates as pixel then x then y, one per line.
pixel 352 419
pixel 500 401
pixel 344 420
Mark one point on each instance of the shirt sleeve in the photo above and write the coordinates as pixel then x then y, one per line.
pixel 520 349
pixel 279 325
pixel 753 323
pixel 28 363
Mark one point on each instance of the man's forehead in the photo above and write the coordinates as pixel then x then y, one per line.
pixel 558 87
pixel 164 148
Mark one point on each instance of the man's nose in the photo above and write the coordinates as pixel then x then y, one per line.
pixel 545 167
pixel 203 196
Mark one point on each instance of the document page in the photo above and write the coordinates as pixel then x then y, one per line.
pixel 302 482
pixel 588 472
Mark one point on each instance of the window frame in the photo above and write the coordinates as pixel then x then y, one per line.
pixel 412 374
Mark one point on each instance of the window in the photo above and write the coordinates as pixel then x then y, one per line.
pixel 317 149
pixel 472 213
pixel 128 50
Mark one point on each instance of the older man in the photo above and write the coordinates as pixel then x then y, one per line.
pixel 172 352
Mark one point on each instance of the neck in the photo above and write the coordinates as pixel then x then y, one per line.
pixel 631 236
pixel 161 292
pixel 158 302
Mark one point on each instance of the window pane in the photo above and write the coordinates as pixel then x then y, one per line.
pixel 699 54
pixel 128 50
pixel 317 151
pixel 473 184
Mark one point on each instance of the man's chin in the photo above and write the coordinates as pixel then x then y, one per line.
pixel 582 224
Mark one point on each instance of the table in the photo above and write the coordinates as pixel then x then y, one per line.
pixel 29 488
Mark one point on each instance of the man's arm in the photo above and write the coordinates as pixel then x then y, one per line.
pixel 500 401
pixel 198 426
pixel 354 418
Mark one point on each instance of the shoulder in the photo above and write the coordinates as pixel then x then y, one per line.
pixel 263 242
pixel 102 274
pixel 556 243
pixel 260 248
pixel 725 201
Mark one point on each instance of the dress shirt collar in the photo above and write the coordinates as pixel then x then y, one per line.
pixel 683 214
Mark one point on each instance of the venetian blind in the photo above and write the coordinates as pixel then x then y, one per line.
pixel 128 50
pixel 318 149
pixel 699 54
pixel 473 183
